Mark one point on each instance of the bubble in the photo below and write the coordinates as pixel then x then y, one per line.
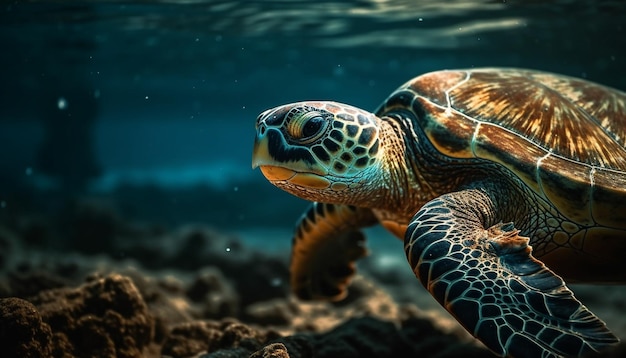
pixel 338 71
pixel 61 103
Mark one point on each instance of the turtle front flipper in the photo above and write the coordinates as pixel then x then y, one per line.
pixel 485 275
pixel 325 247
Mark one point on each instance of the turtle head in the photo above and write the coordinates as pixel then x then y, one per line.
pixel 317 150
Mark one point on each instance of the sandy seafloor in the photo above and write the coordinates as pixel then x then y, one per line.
pixel 139 289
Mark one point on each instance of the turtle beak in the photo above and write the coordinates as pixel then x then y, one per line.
pixel 262 158
pixel 260 153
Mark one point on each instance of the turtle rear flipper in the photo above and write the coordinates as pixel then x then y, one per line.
pixel 325 247
pixel 488 279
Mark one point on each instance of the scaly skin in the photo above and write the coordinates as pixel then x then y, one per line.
pixel 489 280
pixel 430 175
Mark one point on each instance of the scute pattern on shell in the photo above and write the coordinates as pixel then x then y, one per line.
pixel 555 113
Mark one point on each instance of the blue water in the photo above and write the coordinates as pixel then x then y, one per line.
pixel 158 99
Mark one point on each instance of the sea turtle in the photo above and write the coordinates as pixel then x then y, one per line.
pixel 470 168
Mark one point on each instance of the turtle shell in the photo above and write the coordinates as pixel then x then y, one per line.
pixel 565 138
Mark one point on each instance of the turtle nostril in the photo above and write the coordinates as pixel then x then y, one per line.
pixel 260 120
pixel 262 130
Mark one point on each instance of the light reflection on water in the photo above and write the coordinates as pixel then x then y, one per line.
pixel 402 23
pixel 426 24
pixel 229 49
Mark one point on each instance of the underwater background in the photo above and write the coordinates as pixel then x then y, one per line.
pixel 122 122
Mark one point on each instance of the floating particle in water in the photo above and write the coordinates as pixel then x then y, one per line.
pixel 338 71
pixel 276 281
pixel 29 171
pixel 62 103
pixel 147 97
pixel 228 249
pixel 3 204
pixel 236 188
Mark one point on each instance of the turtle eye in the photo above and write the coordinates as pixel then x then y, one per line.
pixel 312 127
pixel 308 127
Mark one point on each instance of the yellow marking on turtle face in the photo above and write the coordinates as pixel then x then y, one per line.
pixel 274 173
pixel 338 186
pixel 310 180
pixel 260 153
